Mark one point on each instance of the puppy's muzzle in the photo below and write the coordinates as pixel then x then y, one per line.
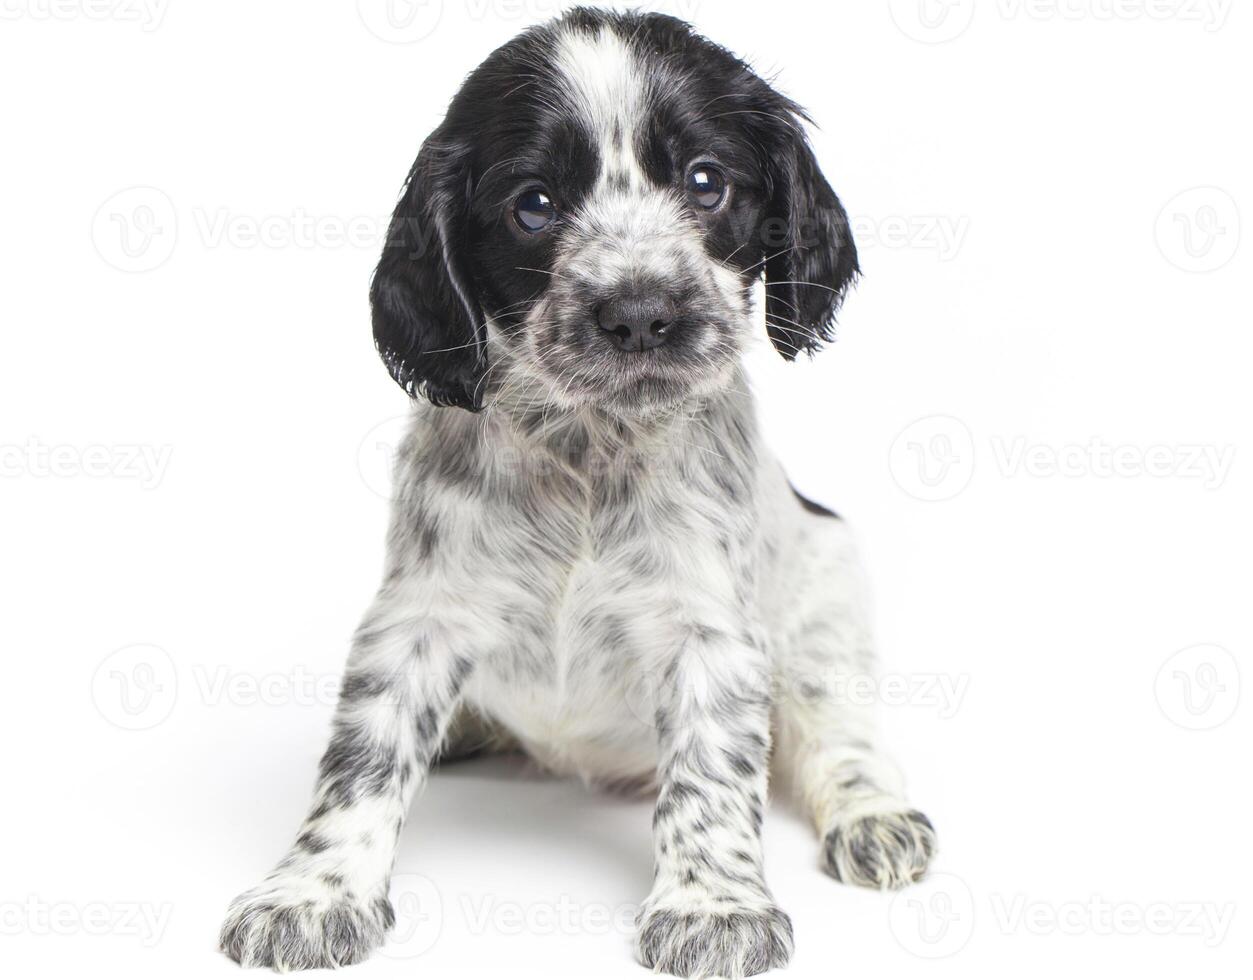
pixel 640 322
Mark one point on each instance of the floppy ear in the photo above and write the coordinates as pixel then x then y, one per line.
pixel 813 261
pixel 428 326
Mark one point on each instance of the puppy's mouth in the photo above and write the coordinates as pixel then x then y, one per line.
pixel 656 378
pixel 650 392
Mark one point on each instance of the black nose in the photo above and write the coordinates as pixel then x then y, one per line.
pixel 638 323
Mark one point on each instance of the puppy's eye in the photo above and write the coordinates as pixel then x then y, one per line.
pixel 707 186
pixel 534 211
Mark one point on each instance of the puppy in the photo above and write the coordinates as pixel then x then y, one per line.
pixel 592 555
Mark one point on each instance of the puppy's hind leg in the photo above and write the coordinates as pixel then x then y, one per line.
pixel 826 746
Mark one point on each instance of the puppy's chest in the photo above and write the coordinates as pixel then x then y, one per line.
pixel 571 693
pixel 565 683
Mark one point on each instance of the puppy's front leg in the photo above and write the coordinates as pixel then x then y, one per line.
pixel 326 904
pixel 710 912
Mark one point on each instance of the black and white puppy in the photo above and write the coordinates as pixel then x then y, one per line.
pixel 592 555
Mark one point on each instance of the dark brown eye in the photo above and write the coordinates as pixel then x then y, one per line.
pixel 707 186
pixel 534 211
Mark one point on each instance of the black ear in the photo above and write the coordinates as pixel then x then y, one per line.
pixel 812 258
pixel 428 326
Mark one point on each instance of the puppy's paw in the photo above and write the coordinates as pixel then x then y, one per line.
pixel 880 850
pixel 739 941
pixel 298 925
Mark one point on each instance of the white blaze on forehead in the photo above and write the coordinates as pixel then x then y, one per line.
pixel 629 230
pixel 607 88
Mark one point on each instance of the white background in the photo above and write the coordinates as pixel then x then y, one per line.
pixel 1037 419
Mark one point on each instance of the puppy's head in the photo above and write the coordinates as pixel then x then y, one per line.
pixel 591 217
